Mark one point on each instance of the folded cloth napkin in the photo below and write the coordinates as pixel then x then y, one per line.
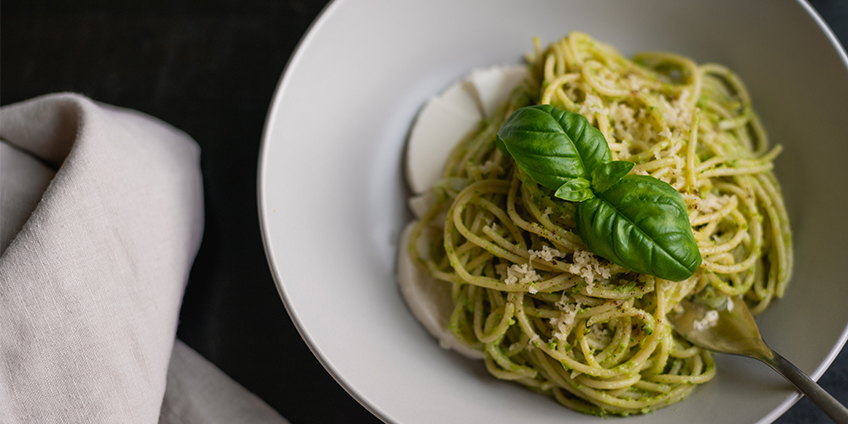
pixel 101 215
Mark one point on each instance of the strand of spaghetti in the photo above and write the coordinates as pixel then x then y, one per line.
pixel 499 373
pixel 672 396
pixel 654 164
pixel 617 349
pixel 486 137
pixel 456 264
pixel 500 330
pixel 568 361
pixel 697 378
pixel 488 282
pixel 757 128
pixel 558 82
pixel 604 126
pixel 568 238
pixel 574 51
pixel 776 211
pixel 616 292
pixel 550 62
pixel 650 152
pixel 725 172
pixel 604 307
pixel 455 218
pixel 716 216
pixel 479 260
pixel 714 266
pixel 609 384
pixel 583 342
pixel 594 83
pixel 660 358
pixel 731 290
pixel 733 242
pixel 654 387
pixel 502 217
pixel 643 316
pixel 765 293
pixel 456 154
pixel 533 227
pixel 684 353
pixel 502 360
pixel 458 325
pixel 691 179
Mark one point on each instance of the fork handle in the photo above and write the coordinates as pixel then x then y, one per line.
pixel 807 386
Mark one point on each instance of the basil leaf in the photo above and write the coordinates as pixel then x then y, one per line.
pixel 641 224
pixel 501 146
pixel 575 190
pixel 604 176
pixel 553 145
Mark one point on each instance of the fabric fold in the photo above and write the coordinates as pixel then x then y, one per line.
pixel 91 285
pixel 198 392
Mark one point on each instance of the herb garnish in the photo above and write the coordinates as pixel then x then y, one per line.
pixel 638 222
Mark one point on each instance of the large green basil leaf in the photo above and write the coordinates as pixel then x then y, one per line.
pixel 641 224
pixel 552 145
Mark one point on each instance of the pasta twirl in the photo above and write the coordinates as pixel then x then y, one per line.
pixel 543 309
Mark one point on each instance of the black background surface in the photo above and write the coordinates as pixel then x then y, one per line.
pixel 210 67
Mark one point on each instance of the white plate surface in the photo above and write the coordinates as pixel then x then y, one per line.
pixel 332 194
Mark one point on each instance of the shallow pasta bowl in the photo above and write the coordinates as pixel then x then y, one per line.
pixel 332 192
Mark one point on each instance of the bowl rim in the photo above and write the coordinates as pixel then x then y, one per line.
pixel 843 337
pixel 270 119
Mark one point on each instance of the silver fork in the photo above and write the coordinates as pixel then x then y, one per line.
pixel 735 332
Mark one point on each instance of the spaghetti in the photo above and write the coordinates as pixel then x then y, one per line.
pixel 544 310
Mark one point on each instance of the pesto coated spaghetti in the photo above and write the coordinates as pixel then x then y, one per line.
pixel 543 309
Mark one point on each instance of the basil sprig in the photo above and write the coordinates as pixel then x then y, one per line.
pixel 638 222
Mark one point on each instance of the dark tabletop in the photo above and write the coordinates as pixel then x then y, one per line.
pixel 209 67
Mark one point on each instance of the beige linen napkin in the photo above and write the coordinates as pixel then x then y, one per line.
pixel 101 215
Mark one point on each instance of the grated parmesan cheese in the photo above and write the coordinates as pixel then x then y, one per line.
pixel 711 202
pixel 634 82
pixel 708 321
pixel 598 332
pixel 593 104
pixel 563 323
pixel 587 266
pixel 521 274
pixel 562 302
pixel 547 253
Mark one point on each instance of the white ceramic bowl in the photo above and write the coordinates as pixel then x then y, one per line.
pixel 332 193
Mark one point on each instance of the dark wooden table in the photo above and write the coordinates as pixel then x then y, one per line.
pixel 209 67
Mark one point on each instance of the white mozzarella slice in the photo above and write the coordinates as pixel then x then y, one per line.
pixel 422 204
pixel 442 122
pixel 428 298
pixel 462 98
pixel 492 86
